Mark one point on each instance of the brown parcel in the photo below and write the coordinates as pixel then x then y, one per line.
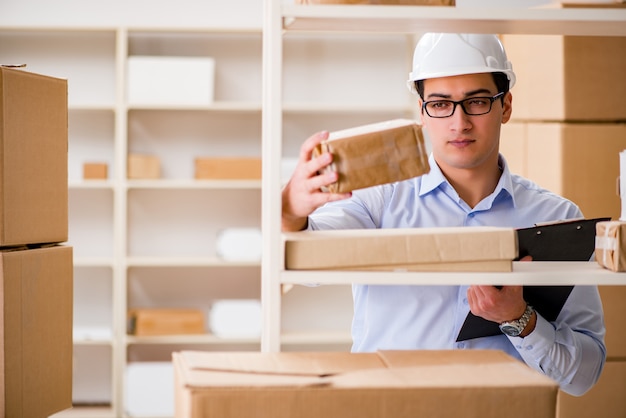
pixel 228 168
pixel 448 383
pixel 375 154
pixel 36 362
pixel 146 322
pixel 33 169
pixel 611 245
pixel 418 249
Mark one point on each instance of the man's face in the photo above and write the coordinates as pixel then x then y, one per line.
pixel 462 141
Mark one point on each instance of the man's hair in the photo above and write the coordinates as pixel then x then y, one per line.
pixel 501 80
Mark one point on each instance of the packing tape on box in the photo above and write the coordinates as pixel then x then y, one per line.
pixel 606 244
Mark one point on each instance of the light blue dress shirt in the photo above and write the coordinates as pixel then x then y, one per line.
pixel 570 350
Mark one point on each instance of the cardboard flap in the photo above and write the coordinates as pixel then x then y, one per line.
pixel 455 375
pixel 285 364
pixel 411 358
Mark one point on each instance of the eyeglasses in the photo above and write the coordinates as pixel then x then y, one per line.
pixel 473 106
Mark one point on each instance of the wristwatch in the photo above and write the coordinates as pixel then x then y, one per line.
pixel 515 328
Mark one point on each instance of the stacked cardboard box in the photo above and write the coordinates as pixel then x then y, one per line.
pixel 36 278
pixel 568 130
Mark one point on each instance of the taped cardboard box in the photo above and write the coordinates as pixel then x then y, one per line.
pixel 37 299
pixel 467 383
pixel 611 245
pixel 149 322
pixel 414 249
pixel 33 168
pixel 375 154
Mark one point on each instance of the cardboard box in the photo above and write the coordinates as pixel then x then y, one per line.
pixel 611 245
pixel 375 154
pixel 418 249
pixel 33 168
pixel 614 305
pixel 468 383
pixel 143 167
pixel 36 362
pixel 606 399
pixel 147 322
pixel 169 80
pixel 95 171
pixel 579 161
pixel 568 78
pixel 228 168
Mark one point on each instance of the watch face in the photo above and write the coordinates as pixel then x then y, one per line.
pixel 510 330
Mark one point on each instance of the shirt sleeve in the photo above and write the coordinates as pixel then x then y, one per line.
pixel 570 350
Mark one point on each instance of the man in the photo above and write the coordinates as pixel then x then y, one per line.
pixel 463 82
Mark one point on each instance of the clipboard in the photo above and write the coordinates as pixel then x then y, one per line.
pixel 572 240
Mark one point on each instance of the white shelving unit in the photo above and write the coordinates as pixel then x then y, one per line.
pixel 148 243
pixel 283 21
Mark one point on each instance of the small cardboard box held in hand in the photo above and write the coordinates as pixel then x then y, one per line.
pixel 33 168
pixel 611 245
pixel 420 383
pixel 415 249
pixel 36 345
pixel 375 154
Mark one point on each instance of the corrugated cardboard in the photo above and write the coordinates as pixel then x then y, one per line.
pixel 568 78
pixel 614 306
pixel 143 166
pixel 36 361
pixel 605 400
pixel 375 154
pixel 95 171
pixel 469 384
pixel 419 249
pixel 579 161
pixel 228 168
pixel 146 322
pixel 611 245
pixel 33 168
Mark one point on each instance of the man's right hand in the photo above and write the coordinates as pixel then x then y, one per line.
pixel 303 193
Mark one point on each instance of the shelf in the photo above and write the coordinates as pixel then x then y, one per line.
pixel 86 412
pixel 93 262
pixel 346 108
pixel 192 339
pixel 528 273
pixel 194 184
pixel 416 19
pixel 187 262
pixel 91 185
pixel 222 106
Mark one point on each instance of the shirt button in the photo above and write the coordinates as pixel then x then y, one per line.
pixel 465 301
pixel 530 347
pixel 461 345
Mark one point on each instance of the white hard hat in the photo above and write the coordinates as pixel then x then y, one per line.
pixel 448 54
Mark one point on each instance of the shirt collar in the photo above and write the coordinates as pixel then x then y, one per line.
pixel 435 178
